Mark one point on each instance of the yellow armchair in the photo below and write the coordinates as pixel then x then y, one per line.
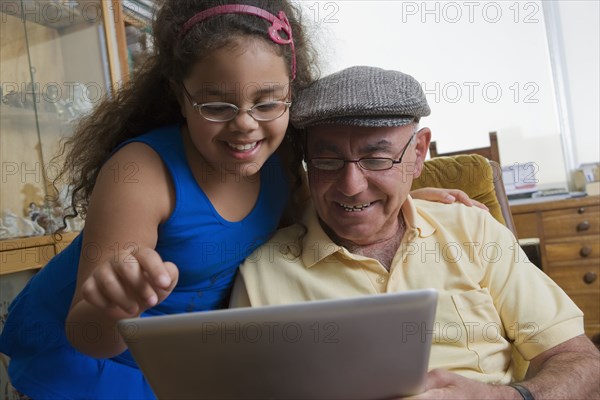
pixel 478 177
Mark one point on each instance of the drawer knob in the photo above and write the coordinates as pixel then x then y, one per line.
pixel 590 277
pixel 585 251
pixel 581 210
pixel 583 226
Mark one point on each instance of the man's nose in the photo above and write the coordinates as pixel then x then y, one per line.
pixel 352 180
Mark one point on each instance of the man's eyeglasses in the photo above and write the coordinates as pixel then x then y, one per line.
pixel 367 163
pixel 224 112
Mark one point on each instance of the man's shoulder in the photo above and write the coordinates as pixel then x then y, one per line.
pixel 289 235
pixel 285 243
pixel 277 263
pixel 454 214
pixel 452 210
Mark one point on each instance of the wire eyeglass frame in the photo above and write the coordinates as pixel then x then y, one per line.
pixel 234 110
pixel 330 164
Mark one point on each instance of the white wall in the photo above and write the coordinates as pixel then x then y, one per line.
pixel 484 65
pixel 579 29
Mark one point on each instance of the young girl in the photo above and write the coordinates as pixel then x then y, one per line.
pixel 178 181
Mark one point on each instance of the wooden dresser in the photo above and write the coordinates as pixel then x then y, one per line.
pixel 30 253
pixel 569 234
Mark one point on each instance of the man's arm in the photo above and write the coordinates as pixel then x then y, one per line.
pixel 570 370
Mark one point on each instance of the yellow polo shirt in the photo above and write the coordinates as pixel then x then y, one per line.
pixel 490 294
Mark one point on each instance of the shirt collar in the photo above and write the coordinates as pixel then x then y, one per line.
pixel 317 245
pixel 415 220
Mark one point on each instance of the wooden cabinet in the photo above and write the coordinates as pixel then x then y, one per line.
pixel 569 234
pixel 30 253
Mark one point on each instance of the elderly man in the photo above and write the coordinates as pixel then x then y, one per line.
pixel 366 235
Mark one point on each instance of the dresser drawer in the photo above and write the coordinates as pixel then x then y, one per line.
pixel 580 278
pixel 526 225
pixel 585 248
pixel 26 253
pixel 591 329
pixel 582 284
pixel 26 258
pixel 571 221
pixel 588 303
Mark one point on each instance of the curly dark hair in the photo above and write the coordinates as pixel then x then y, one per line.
pixel 148 101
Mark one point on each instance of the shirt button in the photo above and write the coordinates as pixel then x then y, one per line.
pixel 381 279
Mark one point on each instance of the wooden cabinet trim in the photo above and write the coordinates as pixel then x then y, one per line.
pixel 24 259
pixel 22 254
pixel 555 205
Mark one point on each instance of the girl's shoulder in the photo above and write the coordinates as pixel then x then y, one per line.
pixel 135 174
pixel 145 157
pixel 159 139
pixel 132 162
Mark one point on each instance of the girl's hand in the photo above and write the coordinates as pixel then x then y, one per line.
pixel 447 196
pixel 131 283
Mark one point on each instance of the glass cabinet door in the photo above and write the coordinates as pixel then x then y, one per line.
pixel 55 66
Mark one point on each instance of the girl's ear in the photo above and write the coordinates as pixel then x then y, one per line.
pixel 177 91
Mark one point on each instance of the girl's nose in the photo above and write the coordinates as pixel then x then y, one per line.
pixel 244 122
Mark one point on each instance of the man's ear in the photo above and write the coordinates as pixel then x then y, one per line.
pixel 177 91
pixel 422 147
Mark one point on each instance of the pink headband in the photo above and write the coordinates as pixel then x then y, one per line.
pixel 279 23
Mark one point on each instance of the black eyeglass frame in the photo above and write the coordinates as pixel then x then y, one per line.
pixel 359 161
pixel 198 107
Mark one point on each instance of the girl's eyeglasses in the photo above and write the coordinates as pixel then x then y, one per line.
pixel 224 112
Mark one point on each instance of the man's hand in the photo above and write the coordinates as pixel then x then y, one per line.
pixel 550 376
pixel 441 384
pixel 447 196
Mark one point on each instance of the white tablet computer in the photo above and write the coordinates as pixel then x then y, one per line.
pixel 354 348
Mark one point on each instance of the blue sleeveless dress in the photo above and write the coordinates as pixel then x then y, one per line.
pixel 206 249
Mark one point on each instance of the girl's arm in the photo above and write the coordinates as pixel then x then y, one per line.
pixel 120 275
pixel 447 196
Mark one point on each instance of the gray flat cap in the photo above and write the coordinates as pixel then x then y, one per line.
pixel 361 96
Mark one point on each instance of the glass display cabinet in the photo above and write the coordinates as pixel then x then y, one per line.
pixel 58 59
